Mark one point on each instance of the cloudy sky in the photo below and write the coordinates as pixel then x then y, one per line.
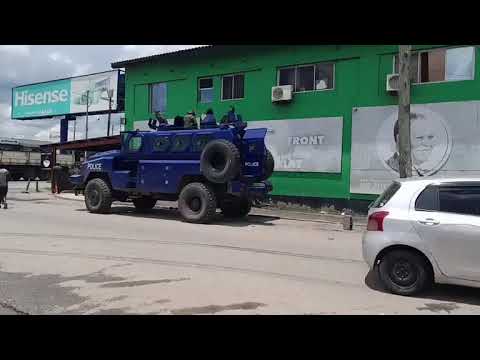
pixel 25 64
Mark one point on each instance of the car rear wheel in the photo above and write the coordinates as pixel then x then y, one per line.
pixel 405 272
pixel 197 203
pixel 98 196
pixel 144 203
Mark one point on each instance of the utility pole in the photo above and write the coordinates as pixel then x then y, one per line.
pixel 74 128
pixel 404 141
pixel 110 95
pixel 86 119
pixel 109 99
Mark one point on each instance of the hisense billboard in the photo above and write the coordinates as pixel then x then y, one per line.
pixel 66 96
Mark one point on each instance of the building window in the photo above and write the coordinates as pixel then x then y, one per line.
pixel 205 90
pixel 158 97
pixel 308 77
pixel 441 65
pixel 233 87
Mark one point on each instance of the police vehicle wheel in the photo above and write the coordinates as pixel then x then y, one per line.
pixel 98 196
pixel 144 203
pixel 197 203
pixel 235 207
pixel 220 161
pixel 269 165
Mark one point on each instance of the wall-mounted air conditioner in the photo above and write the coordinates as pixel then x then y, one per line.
pixel 393 82
pixel 282 93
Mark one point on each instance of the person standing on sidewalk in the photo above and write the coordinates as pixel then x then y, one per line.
pixel 4 174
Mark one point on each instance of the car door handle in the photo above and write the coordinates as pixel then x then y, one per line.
pixel 429 222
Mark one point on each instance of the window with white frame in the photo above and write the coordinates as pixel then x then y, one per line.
pixel 308 77
pixel 205 90
pixel 233 87
pixel 446 64
pixel 158 97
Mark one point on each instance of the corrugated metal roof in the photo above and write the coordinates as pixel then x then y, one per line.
pixel 23 142
pixel 123 63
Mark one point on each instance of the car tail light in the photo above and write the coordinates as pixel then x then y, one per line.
pixel 375 221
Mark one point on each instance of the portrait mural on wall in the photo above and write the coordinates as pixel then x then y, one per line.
pixel 444 140
pixel 431 142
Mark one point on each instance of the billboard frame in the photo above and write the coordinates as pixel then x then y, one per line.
pixel 119 71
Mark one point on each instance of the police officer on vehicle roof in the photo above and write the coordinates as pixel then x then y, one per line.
pixel 190 120
pixel 209 120
pixel 4 175
pixel 152 124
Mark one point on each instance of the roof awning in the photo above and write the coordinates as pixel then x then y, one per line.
pixel 122 64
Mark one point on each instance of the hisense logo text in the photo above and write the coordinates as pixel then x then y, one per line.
pixel 24 98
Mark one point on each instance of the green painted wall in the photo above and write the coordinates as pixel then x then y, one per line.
pixel 360 75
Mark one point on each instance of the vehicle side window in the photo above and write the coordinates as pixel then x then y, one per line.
pixel 180 143
pixel 427 200
pixel 135 144
pixel 200 141
pixel 460 199
pixel 161 143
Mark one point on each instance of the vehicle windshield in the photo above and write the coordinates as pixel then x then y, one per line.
pixel 383 199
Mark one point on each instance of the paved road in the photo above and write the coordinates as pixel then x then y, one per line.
pixel 56 258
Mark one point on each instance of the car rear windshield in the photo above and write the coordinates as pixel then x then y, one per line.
pixel 383 199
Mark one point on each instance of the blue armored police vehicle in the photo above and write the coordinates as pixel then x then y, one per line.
pixel 225 166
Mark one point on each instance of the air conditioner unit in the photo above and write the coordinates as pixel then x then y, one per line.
pixel 393 82
pixel 282 93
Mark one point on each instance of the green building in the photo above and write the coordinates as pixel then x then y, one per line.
pixel 342 89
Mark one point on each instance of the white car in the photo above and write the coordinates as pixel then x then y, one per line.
pixel 425 231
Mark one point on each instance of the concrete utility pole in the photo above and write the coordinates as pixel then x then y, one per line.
pixel 74 128
pixel 86 119
pixel 109 99
pixel 404 141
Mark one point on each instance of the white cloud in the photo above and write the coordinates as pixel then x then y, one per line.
pixel 25 64
pixel 5 111
pixel 43 135
pixel 57 56
pixel 23 50
pixel 81 69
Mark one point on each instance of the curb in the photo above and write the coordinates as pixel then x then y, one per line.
pixel 283 214
pixel 58 196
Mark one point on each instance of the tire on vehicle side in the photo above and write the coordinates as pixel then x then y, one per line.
pixel 98 196
pixel 269 165
pixel 220 161
pixel 197 203
pixel 144 203
pixel 235 207
pixel 405 272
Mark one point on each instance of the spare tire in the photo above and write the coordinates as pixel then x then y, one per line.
pixel 220 161
pixel 268 166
